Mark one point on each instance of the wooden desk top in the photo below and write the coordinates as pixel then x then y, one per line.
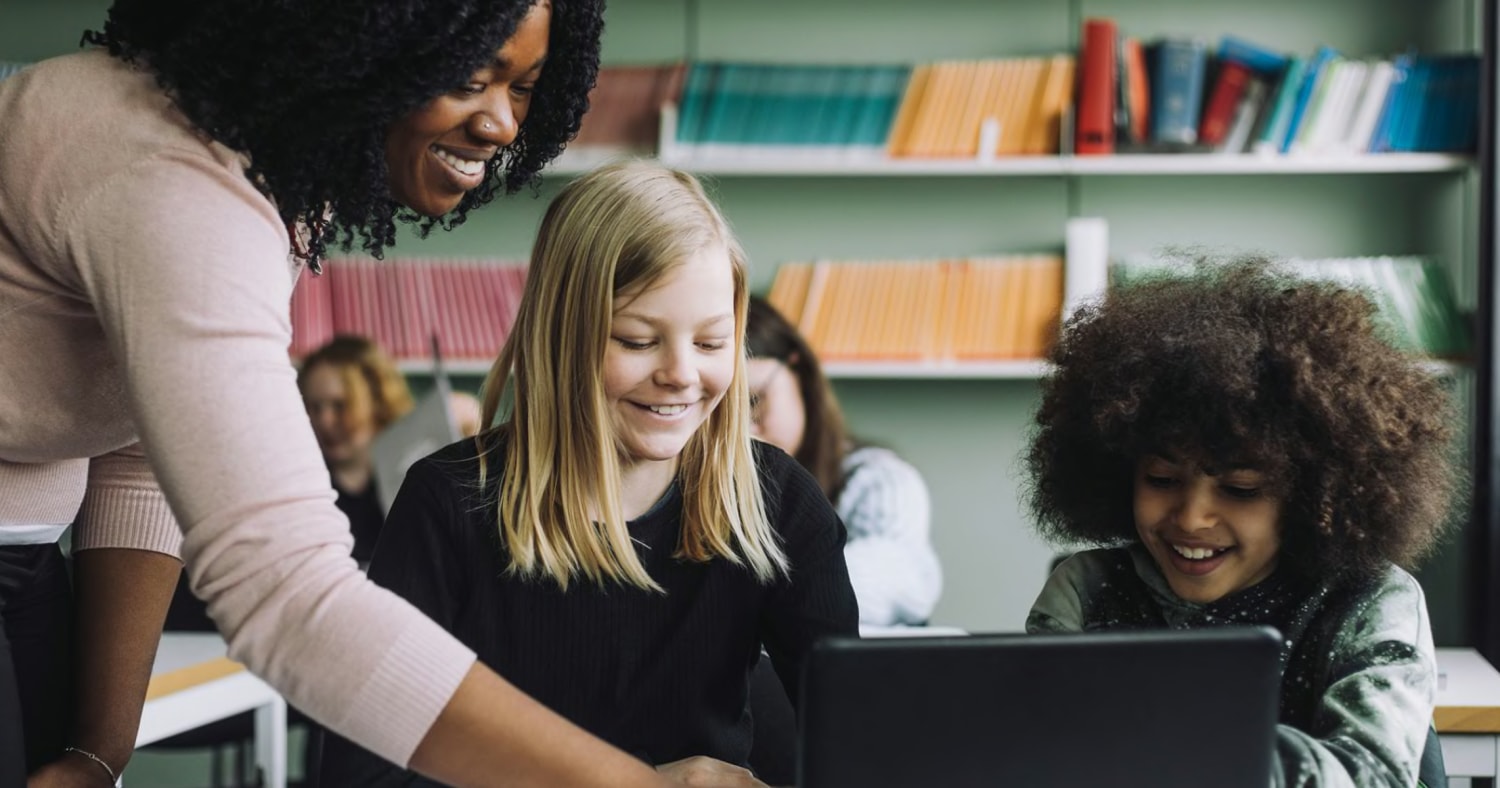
pixel 1468 694
pixel 188 659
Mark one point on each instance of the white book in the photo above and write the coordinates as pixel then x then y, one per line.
pixel 1086 266
pixel 1367 111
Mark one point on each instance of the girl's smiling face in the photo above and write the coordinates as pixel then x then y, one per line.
pixel 1212 531
pixel 441 151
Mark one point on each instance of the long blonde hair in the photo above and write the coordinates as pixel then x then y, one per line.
pixel 619 227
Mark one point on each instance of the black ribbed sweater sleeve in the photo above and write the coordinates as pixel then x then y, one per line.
pixel 817 599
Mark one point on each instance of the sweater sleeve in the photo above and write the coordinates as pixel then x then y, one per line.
pixel 816 600
pixel 1371 724
pixel 124 507
pixel 894 570
pixel 185 265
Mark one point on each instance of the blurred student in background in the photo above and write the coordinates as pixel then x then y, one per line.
pixel 352 391
pixel 880 497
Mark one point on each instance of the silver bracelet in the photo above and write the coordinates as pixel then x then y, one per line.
pixel 96 759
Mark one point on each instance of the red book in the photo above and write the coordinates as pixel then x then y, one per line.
pixel 1094 128
pixel 1218 115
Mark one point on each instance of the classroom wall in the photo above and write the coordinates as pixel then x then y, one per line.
pixel 967 435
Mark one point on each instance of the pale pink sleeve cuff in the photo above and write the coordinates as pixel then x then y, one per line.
pixel 124 507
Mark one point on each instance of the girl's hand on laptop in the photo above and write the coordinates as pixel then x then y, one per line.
pixel 706 772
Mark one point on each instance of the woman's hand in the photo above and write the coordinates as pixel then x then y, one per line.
pixel 706 772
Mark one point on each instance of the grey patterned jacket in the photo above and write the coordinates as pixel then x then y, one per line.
pixel 1358 664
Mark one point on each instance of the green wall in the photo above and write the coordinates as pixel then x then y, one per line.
pixel 966 436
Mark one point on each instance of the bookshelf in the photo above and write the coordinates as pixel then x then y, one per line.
pixel 964 425
pixel 775 164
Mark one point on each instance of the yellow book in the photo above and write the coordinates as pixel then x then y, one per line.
pixel 789 290
pixel 1054 101
pixel 1012 309
pixel 928 129
pixel 1022 114
pixel 899 142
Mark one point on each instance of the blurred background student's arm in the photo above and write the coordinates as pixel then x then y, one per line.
pixel 885 506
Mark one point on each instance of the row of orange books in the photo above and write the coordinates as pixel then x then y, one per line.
pixel 964 309
pixel 947 104
pixel 402 304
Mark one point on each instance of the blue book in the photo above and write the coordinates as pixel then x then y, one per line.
pixel 1177 91
pixel 1315 69
pixel 1251 55
pixel 1383 140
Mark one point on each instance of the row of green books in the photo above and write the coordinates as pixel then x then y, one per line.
pixel 1413 296
pixel 770 104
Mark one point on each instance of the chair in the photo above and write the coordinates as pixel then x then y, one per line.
pixel 1432 772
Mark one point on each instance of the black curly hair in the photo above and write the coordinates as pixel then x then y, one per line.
pixel 309 89
pixel 1242 360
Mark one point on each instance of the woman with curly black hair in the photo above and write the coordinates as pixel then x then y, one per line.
pixel 160 192
pixel 1265 457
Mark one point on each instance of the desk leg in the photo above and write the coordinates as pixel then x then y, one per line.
pixel 270 743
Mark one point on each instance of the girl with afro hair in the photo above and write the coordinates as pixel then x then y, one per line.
pixel 160 193
pixel 1249 449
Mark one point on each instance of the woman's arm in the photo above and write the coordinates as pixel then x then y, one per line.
pixel 122 597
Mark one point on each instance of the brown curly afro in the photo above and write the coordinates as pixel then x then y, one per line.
pixel 1241 360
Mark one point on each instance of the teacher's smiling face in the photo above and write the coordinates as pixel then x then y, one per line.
pixel 440 151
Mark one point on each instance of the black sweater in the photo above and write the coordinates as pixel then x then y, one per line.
pixel 662 676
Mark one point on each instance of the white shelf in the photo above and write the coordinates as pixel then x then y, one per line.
pixel 461 366
pixel 991 370
pixel 770 163
pixel 1024 369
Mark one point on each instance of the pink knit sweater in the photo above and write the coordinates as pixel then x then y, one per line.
pixel 144 291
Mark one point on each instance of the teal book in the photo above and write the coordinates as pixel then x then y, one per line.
pixel 1274 129
pixel 692 110
pixel 1315 71
pixel 878 107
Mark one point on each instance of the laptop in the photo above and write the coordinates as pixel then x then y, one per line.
pixel 1165 709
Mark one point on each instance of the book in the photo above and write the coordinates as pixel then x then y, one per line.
pixel 1094 130
pixel 1274 130
pixel 1229 87
pixel 1178 91
pixel 1265 61
pixel 1314 74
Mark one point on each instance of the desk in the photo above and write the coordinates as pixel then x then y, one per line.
pixel 1467 716
pixel 193 683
